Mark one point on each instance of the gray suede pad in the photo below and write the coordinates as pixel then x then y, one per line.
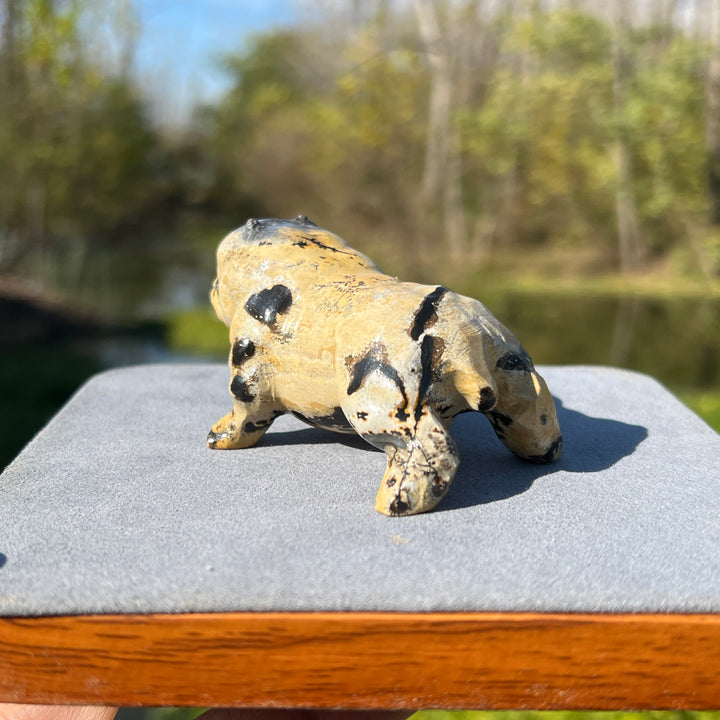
pixel 118 506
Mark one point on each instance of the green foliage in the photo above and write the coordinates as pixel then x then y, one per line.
pixel 336 125
pixel 320 127
pixel 78 155
pixel 198 331
pixel 665 114
pixel 162 713
pixel 550 124
pixel 706 405
pixel 338 129
pixel 542 137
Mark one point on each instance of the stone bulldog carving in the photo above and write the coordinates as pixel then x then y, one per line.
pixel 317 330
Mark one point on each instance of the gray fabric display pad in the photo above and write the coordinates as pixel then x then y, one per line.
pixel 118 506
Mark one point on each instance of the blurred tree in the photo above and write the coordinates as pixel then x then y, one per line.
pixel 261 115
pixel 324 124
pixel 442 175
pixel 540 140
pixel 463 127
pixel 666 116
pixel 630 242
pixel 78 154
pixel 712 122
pixel 591 131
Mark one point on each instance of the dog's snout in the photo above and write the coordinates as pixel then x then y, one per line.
pixel 553 452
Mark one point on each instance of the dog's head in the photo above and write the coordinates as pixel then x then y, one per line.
pixel 524 416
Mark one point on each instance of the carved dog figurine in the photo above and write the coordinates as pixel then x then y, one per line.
pixel 317 330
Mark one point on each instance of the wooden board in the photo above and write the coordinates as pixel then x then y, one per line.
pixel 365 660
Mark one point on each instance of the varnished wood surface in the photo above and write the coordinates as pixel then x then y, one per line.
pixel 365 660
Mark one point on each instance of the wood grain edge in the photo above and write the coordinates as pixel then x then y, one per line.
pixel 365 660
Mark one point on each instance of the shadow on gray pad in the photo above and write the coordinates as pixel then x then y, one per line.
pixel 489 472
pixel 315 436
pixel 590 445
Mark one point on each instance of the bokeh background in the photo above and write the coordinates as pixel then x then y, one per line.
pixel 559 160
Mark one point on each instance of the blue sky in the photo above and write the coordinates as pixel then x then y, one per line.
pixel 180 38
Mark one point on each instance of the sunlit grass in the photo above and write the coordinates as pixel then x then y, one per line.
pixel 198 331
pixel 706 405
pixel 648 285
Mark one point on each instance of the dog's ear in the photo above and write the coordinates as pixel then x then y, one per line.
pixel 216 301
pixel 473 375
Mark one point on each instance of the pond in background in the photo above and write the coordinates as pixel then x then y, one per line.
pixel 675 340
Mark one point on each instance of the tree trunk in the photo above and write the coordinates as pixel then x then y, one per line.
pixel 442 177
pixel 629 241
pixel 454 210
pixel 698 19
pixel 712 114
pixel 436 147
pixel 9 50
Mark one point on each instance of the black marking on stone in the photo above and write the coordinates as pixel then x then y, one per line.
pixel 401 413
pixel 242 349
pixel 430 353
pixel 426 363
pixel 487 400
pixel 398 506
pixel 213 438
pixel 515 362
pixel 426 314
pixel 543 419
pixel 253 427
pixel 438 487
pixel 314 241
pixel 499 418
pixel 550 455
pixel 267 304
pixel 464 410
pixel 241 390
pixel 499 422
pixel 335 421
pixel 390 481
pixel 386 436
pixel 361 414
pixel 374 361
